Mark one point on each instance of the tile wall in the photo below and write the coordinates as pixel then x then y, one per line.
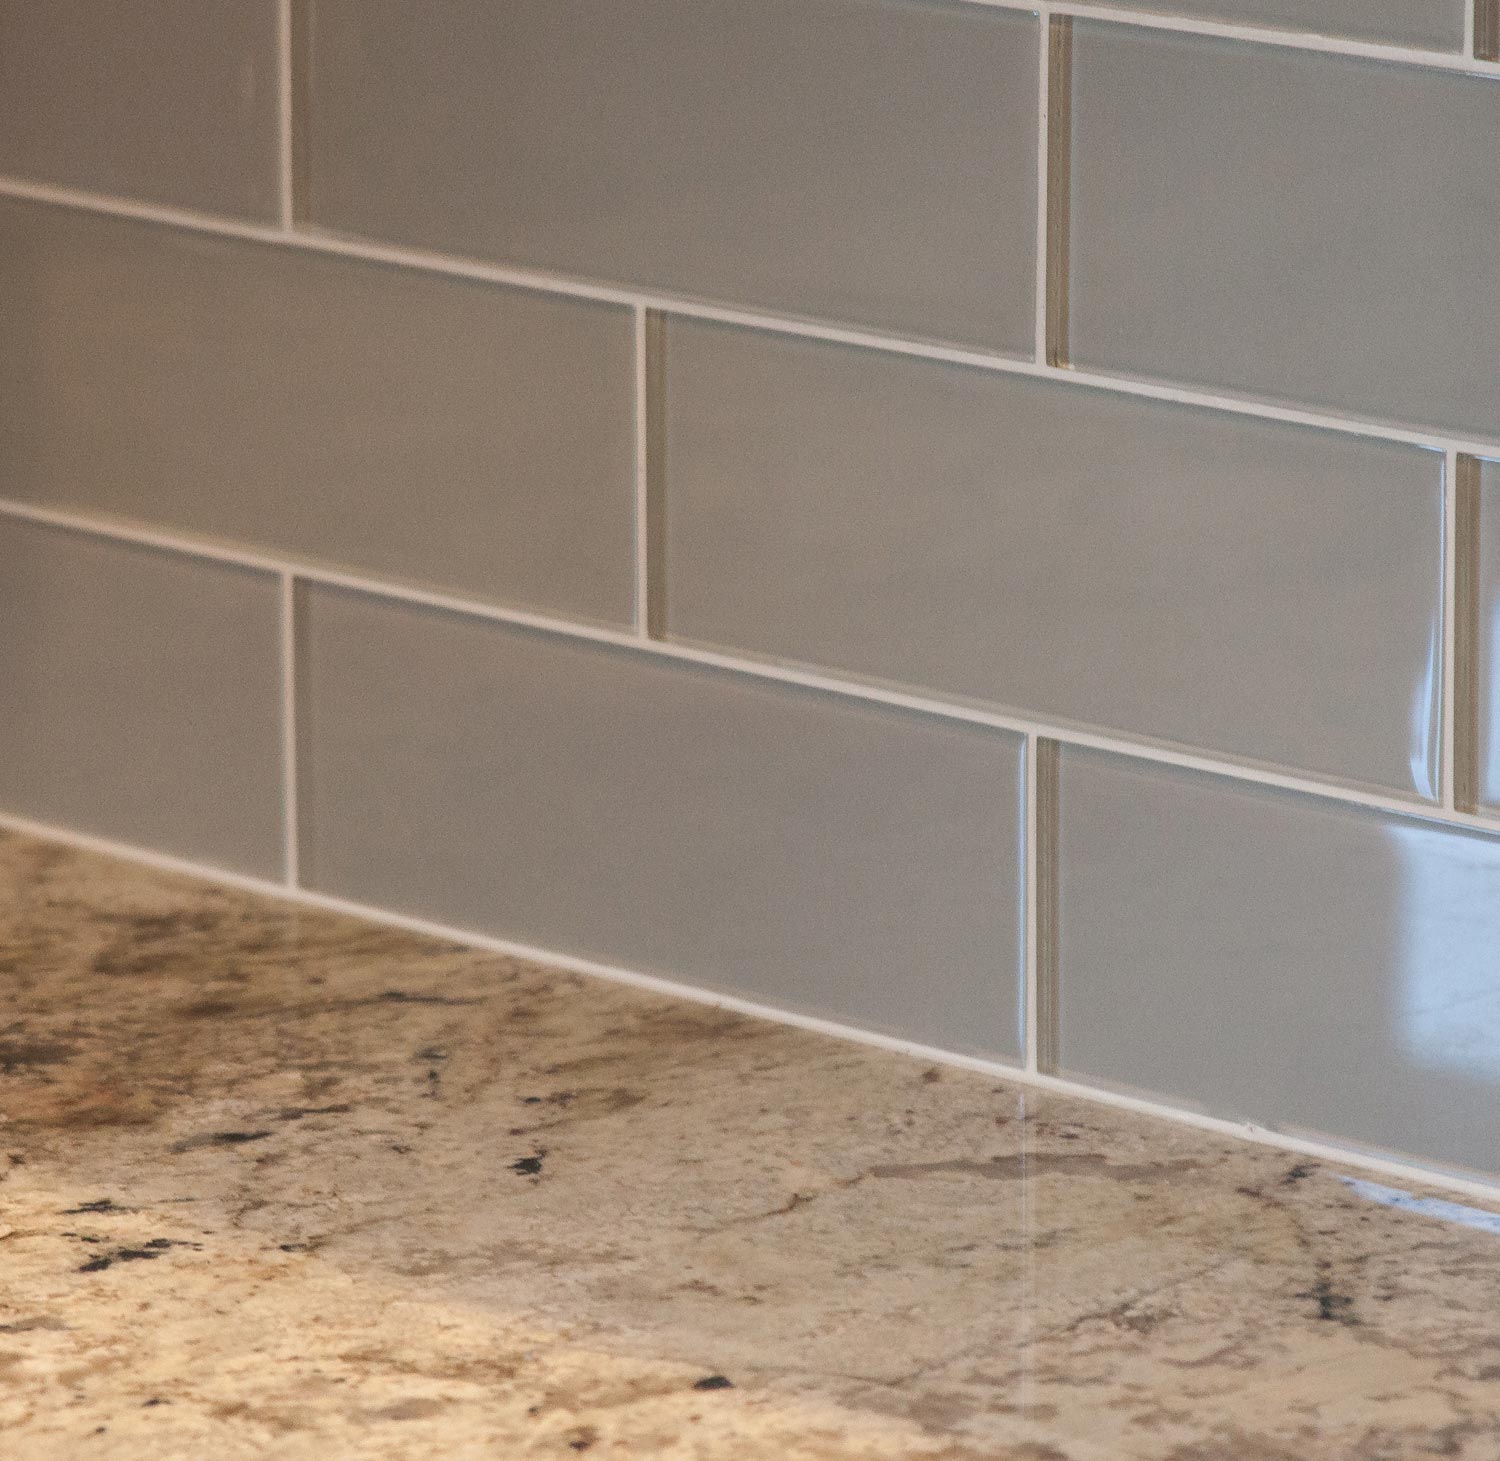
pixel 970 521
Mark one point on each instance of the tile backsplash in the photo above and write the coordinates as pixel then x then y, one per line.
pixel 170 101
pixel 1310 966
pixel 973 523
pixel 1438 24
pixel 1215 580
pixel 842 859
pixel 142 695
pixel 419 427
pixel 873 163
pixel 1285 224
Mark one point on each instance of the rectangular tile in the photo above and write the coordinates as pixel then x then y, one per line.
pixel 1438 24
pixel 862 160
pixel 142 696
pixel 409 425
pixel 1263 590
pixel 1308 966
pixel 1291 225
pixel 1486 701
pixel 822 855
pixel 170 101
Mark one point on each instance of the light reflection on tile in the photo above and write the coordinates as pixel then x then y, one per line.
pixel 1264 956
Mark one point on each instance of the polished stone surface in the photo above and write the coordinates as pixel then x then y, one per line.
pixel 278 1183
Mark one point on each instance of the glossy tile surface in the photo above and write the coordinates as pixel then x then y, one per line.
pixel 1295 226
pixel 168 101
pixel 140 696
pixel 383 1197
pixel 1300 964
pixel 862 160
pixel 402 424
pixel 1435 23
pixel 1487 641
pixel 831 857
pixel 1239 585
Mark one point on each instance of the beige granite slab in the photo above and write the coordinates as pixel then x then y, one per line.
pixel 278 1183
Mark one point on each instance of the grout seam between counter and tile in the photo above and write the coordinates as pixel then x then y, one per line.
pixel 1016 1074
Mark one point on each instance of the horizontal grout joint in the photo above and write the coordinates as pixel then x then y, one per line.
pixel 768 670
pixel 369 251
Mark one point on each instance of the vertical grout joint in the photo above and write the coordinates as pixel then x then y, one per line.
pixel 293 761
pixel 654 524
pixel 1045 906
pixel 295 80
pixel 1466 634
pixel 1059 182
pixel 1486 37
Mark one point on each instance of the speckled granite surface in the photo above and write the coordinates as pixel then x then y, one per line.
pixel 281 1184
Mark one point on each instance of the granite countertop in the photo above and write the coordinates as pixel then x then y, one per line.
pixel 278 1183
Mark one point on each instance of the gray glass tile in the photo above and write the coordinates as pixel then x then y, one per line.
pixel 168 101
pixel 863 160
pixel 406 425
pixel 1263 590
pixel 1438 24
pixel 1285 224
pixel 1261 956
pixel 142 696
pixel 835 858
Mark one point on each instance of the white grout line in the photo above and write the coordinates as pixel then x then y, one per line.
pixel 569 963
pixel 1031 893
pixel 1296 40
pixel 1449 717
pixel 289 815
pixel 284 164
pixel 1044 73
pixel 1158 753
pixel 642 485
pixel 429 262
